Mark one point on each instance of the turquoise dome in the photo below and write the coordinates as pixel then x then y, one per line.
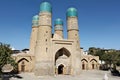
pixel 71 12
pixel 58 21
pixel 45 7
pixel 58 24
pixel 35 20
pixel 36 17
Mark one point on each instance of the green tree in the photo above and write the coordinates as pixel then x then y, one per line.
pixel 110 56
pixel 101 54
pixel 5 56
pixel 118 58
pixel 115 58
pixel 92 50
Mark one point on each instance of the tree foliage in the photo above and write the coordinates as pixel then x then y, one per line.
pixel 110 56
pixel 5 56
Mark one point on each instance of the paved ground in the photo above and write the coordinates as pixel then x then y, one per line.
pixel 85 75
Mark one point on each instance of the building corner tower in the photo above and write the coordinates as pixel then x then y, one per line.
pixel 59 27
pixel 42 62
pixel 33 38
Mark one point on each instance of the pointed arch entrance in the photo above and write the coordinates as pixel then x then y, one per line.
pixel 94 64
pixel 84 64
pixel 62 61
pixel 22 64
pixel 60 69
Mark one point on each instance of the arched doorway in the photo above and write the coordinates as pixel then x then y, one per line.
pixel 93 64
pixel 60 69
pixel 62 56
pixel 84 64
pixel 23 67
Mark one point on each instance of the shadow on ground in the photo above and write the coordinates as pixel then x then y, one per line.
pixel 8 76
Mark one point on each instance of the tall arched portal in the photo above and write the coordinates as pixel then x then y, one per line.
pixel 62 61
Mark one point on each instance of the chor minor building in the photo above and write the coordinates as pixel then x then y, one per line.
pixel 51 54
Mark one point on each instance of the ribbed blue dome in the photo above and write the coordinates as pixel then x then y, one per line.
pixel 58 24
pixel 71 12
pixel 58 21
pixel 36 17
pixel 35 20
pixel 45 7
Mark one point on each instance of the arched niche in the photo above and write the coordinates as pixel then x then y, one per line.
pixel 22 65
pixel 62 52
pixel 84 64
pixel 93 60
pixel 22 60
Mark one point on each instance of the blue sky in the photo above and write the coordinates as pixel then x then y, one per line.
pixel 99 21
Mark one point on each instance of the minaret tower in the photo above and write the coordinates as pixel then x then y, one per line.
pixel 72 25
pixel 73 34
pixel 43 40
pixel 59 27
pixel 33 38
